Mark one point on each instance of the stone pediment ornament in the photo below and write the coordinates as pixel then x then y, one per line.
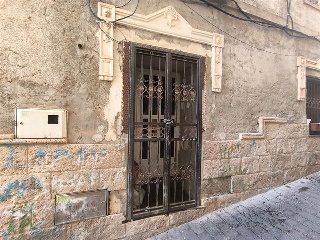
pixel 171 15
pixel 166 21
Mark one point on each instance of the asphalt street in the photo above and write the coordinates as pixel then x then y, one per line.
pixel 288 212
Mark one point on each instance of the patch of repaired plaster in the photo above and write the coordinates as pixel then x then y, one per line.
pixel 99 136
pixel 114 105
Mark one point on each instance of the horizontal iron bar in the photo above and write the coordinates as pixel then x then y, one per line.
pixel 140 215
pixel 162 123
pixel 163 139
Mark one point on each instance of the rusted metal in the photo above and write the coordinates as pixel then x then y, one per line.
pixel 73 207
pixel 126 87
pixel 131 132
pixel 313 104
pixel 164 132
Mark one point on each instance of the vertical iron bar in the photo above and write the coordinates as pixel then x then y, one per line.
pixel 312 95
pixel 174 190
pixel 191 81
pixel 139 118
pixel 312 107
pixel 157 193
pixel 159 83
pixel 312 103
pixel 316 102
pixel 178 121
pixel 190 180
pixel 143 93
pixel 168 99
pixel 184 72
pixel 148 192
pixel 140 157
pixel 159 128
pixel 131 132
pixel 182 187
pixel 314 98
pixel 192 112
pixel 150 87
pixel 199 133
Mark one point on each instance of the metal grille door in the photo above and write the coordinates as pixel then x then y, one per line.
pixel 313 104
pixel 164 132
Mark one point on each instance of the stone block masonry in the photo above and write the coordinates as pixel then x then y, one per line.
pixel 32 174
pixel 284 154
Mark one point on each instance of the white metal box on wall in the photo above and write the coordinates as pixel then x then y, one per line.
pixel 41 123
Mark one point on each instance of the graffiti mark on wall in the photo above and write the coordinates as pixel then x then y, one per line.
pixel 93 152
pixel 20 188
pixel 252 146
pixel 231 150
pixel 10 160
pixel 42 154
pixel 62 153
pixel 83 153
pixel 20 220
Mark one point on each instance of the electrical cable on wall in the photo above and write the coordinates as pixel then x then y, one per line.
pixel 100 20
pixel 288 14
pixel 243 42
pixel 268 24
pixel 129 14
pixel 124 4
pixel 240 9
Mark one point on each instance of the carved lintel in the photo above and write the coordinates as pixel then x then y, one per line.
pixel 107 13
pixel 178 27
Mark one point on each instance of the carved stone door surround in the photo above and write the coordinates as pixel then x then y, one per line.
pixel 175 26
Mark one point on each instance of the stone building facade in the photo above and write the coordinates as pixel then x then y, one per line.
pixel 235 116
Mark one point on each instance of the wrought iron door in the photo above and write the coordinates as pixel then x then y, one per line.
pixel 164 132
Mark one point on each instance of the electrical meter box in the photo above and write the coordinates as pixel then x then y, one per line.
pixel 41 123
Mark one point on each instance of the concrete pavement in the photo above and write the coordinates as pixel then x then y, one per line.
pixel 288 212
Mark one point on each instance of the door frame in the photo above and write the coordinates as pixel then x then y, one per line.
pixel 131 119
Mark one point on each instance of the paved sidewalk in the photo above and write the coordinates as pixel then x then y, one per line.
pixel 289 212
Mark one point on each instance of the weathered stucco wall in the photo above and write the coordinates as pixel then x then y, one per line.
pixel 43 65
pixel 305 14
pixel 259 76
pixel 49 55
